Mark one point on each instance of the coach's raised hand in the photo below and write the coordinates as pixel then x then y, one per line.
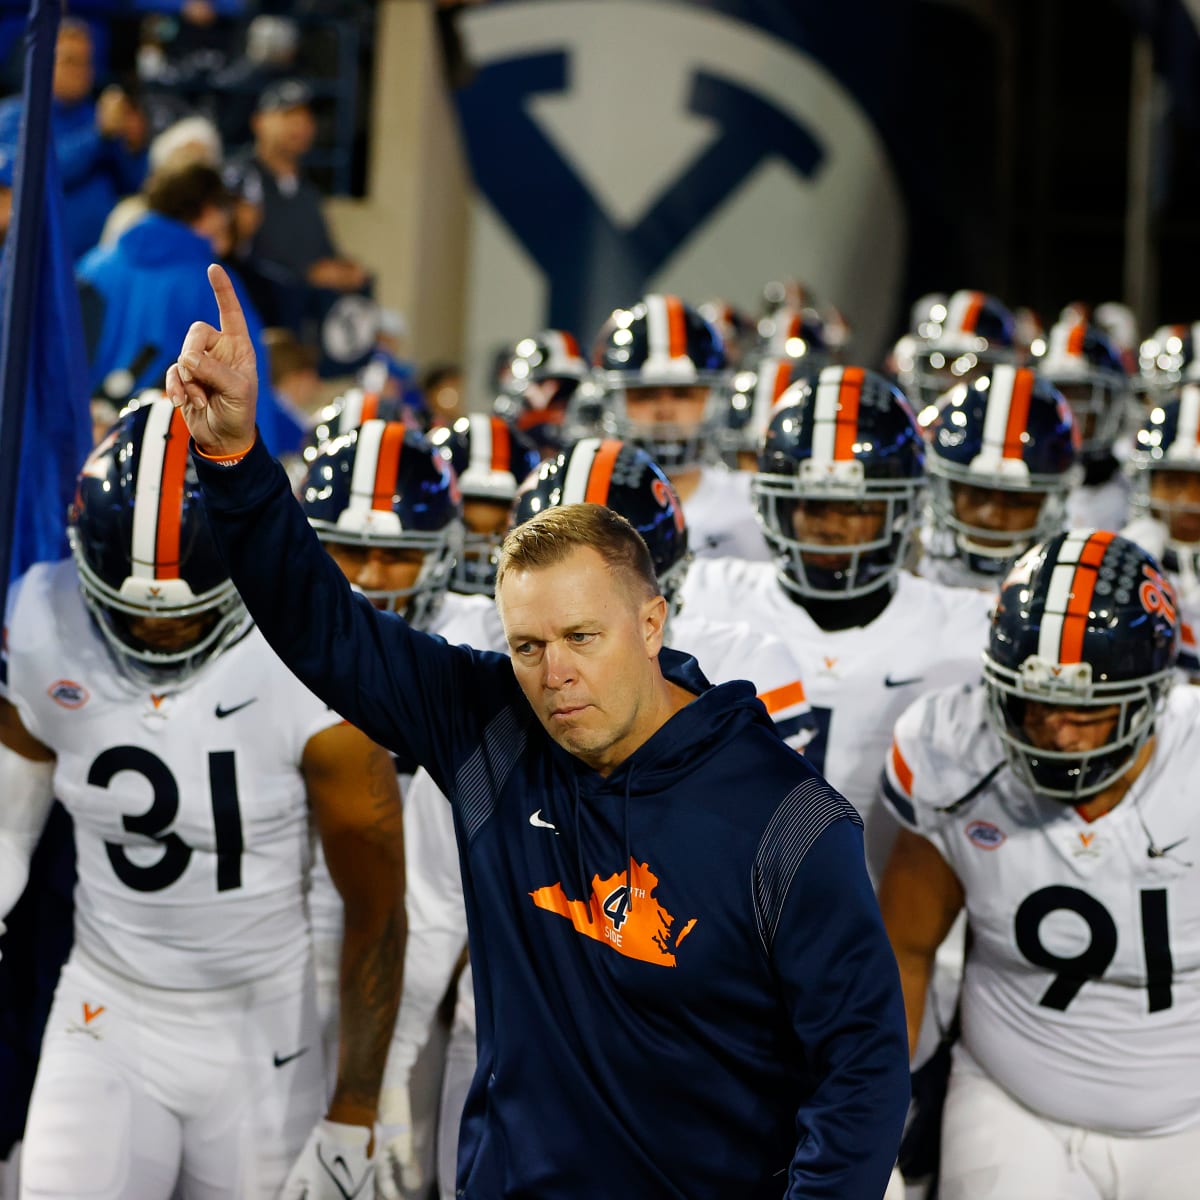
pixel 214 382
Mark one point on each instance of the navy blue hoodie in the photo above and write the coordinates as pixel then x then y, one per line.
pixel 682 981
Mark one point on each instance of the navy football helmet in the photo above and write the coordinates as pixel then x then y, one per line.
pixel 626 479
pixel 1085 365
pixel 753 394
pixel 383 485
pixel 661 342
pixel 797 333
pixel 1086 620
pixel 1010 432
pixel 849 439
pixel 539 381
pixel 967 334
pixel 1165 465
pixel 348 411
pixel 491 460
pixel 737 328
pixel 1167 359
pixel 141 542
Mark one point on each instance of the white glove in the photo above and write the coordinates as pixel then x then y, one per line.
pixel 398 1175
pixel 895 1187
pixel 334 1165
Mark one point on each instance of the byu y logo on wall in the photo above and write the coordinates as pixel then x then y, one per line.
pixel 621 146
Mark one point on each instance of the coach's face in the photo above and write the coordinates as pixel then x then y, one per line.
pixel 584 644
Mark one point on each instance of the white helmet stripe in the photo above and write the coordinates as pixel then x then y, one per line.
pixel 825 414
pixel 579 470
pixel 1058 594
pixel 1187 435
pixel 149 488
pixel 481 445
pixel 366 465
pixel 658 329
pixel 962 307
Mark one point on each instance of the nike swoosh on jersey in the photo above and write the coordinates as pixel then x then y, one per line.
pixel 281 1059
pixel 535 819
pixel 228 712
pixel 888 681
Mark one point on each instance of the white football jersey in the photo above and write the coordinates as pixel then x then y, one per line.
pixel 1100 506
pixel 1081 995
pixel 722 519
pixel 190 812
pixel 858 680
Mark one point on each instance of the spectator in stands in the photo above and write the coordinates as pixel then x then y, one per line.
pixel 144 290
pixel 291 233
pixel 294 375
pixel 189 140
pixel 100 144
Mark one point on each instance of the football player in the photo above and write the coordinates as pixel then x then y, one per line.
pixel 1002 459
pixel 543 385
pixel 624 478
pixel 490 459
pixel 1054 804
pixel 664 372
pixel 839 494
pixel 1084 364
pixel 183 1043
pixel 1165 466
pixel 956 339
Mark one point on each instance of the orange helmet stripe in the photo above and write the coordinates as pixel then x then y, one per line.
pixel 849 396
pixel 600 475
pixel 387 465
pixel 1083 585
pixel 170 500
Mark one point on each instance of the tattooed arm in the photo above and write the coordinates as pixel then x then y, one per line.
pixel 356 802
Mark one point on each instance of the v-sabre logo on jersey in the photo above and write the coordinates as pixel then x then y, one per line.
pixel 68 693
pixel 642 929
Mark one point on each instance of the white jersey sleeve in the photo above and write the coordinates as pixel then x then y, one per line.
pixel 189 806
pixel 734 650
pixel 1081 994
pixel 858 680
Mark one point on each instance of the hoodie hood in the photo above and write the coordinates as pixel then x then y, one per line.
pixel 684 744
pixel 156 240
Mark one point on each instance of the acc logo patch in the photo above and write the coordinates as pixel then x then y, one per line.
pixel 985 835
pixel 68 693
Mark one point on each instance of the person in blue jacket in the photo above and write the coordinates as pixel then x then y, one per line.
pixel 101 145
pixel 149 284
pixel 683 984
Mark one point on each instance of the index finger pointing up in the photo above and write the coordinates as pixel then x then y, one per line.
pixel 233 320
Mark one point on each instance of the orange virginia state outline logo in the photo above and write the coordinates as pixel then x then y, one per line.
pixel 643 930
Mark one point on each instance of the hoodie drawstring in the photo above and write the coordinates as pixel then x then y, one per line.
pixel 628 853
pixel 584 886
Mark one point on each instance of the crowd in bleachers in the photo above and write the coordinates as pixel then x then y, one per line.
pixel 855 537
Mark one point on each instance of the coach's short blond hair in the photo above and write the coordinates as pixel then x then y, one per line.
pixel 552 535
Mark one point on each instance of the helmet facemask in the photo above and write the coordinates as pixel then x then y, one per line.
pixel 869 564
pixel 1071 776
pixel 140 660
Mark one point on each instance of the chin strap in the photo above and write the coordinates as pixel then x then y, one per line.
pixel 27 790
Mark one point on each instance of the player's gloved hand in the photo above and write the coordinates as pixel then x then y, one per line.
pixel 334 1165
pixel 398 1175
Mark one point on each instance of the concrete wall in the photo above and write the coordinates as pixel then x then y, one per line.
pixel 411 229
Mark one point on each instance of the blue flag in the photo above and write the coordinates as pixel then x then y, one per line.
pixel 45 424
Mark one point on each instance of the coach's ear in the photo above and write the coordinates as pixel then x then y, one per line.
pixel 653 618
